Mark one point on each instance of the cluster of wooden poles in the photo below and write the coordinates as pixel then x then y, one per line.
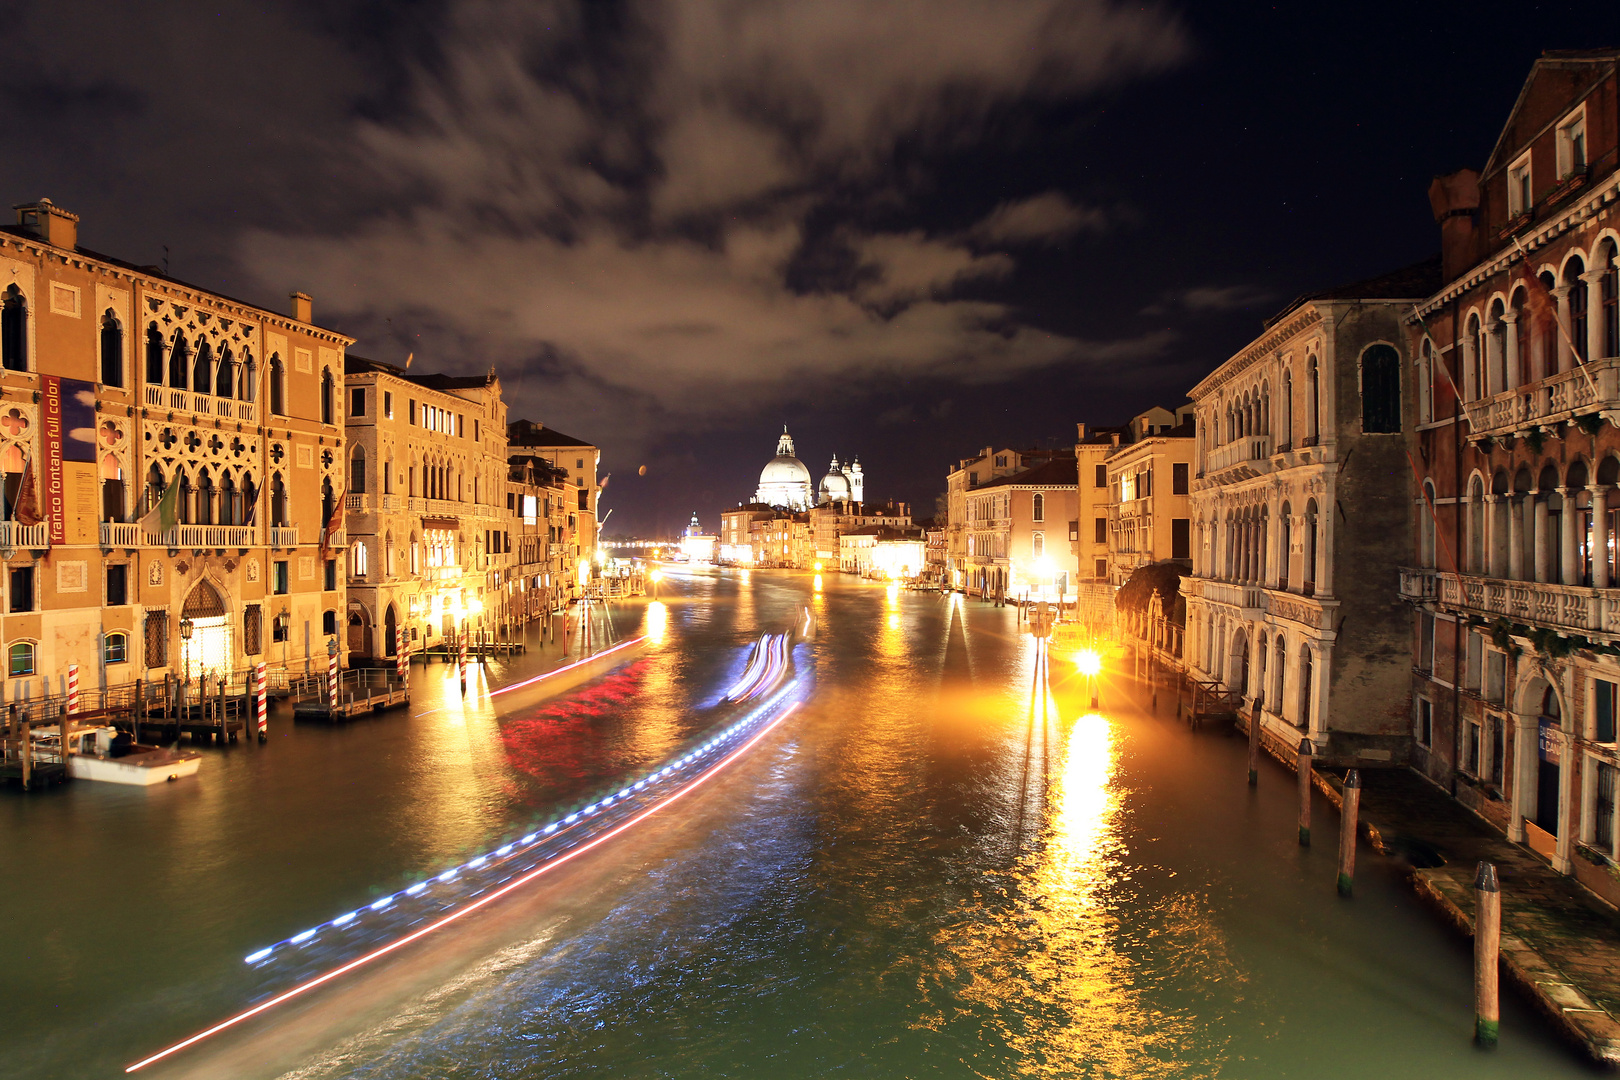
pixel 1488 894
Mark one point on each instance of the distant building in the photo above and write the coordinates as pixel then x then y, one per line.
pixel 697 545
pixel 1021 530
pixel 784 482
pixel 968 474
pixel 1149 478
pixel 580 460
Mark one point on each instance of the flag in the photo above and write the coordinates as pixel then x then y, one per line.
pixel 601 485
pixel 333 523
pixel 26 509
pixel 166 514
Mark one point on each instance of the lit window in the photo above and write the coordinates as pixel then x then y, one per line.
pixel 117 648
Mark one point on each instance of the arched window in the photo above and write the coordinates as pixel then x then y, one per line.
pixel 1313 400
pixel 357 471
pixel 179 361
pixel 1609 297
pixel 1577 306
pixel 224 376
pixel 1473 369
pixel 202 372
pixel 112 350
pixel 115 649
pixel 1381 390
pixel 1426 526
pixel 1037 507
pixel 155 484
pixel 112 489
pixel 416 558
pixel 14 338
pixel 278 502
pixel 1549 329
pixel 205 499
pixel 1285 429
pixel 328 397
pixel 278 391
pixel 328 501
pixel 1425 382
pixel 247 389
pixel 1286 566
pixel 21 657
pixel 1279 670
pixel 359 561
pixel 230 501
pixel 154 355
pixel 1037 545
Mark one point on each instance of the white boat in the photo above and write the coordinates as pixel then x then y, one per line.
pixel 92 755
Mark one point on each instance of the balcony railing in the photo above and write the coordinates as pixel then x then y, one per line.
pixel 1417 584
pixel 1231 593
pixel 1557 607
pixel 364 503
pixel 13 535
pixel 1251 451
pixel 1586 388
pixel 206 536
pixel 121 534
pixel 284 536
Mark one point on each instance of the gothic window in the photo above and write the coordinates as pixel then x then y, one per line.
pixel 154 355
pixel 179 361
pixel 187 503
pixel 224 377
pixel 155 483
pixel 112 350
pixel 246 387
pixel 278 502
pixel 1577 305
pixel 1381 390
pixel 205 499
pixel 1305 695
pixel 278 392
pixel 112 489
pixel 13 330
pixel 1609 298
pixel 230 501
pixel 202 372
pixel 327 390
pixel 357 471
pixel 1313 400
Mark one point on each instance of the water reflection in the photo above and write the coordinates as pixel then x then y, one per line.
pixel 656 624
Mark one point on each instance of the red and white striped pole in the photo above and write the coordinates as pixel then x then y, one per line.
pixel 402 659
pixel 262 692
pixel 332 678
pixel 464 660
pixel 73 688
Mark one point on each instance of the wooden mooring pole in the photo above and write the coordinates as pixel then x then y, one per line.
pixel 1305 792
pixel 1349 811
pixel 1487 941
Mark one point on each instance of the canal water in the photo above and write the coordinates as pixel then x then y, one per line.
pixel 930 869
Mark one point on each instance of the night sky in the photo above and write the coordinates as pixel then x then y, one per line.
pixel 906 230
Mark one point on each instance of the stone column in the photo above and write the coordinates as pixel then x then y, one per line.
pixel 1569 811
pixel 1515 551
pixel 1525 755
pixel 1510 336
pixel 1540 536
pixel 1600 536
pixel 1321 668
pixel 1594 343
pixel 1492 563
pixel 1566 539
pixel 1493 360
pixel 1327 517
pixel 1566 358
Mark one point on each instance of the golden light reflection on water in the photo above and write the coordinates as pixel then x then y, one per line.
pixel 656 623
pixel 1060 970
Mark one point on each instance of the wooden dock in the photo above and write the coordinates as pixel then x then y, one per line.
pixel 361 691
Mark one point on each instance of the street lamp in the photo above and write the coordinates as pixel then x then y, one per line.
pixel 1090 664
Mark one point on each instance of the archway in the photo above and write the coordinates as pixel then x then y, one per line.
pixel 359 637
pixel 1239 663
pixel 390 631
pixel 205 644
pixel 1549 758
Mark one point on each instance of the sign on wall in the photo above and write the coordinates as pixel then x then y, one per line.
pixel 68 413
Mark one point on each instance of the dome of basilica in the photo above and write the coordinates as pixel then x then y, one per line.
pixel 784 469
pixel 784 481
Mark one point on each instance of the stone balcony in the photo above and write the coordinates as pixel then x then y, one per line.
pixel 1418 584
pixel 1239 459
pixel 1569 609
pixel 1248 598
pixel 1585 389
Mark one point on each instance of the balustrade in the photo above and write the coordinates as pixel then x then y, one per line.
pixel 1583 389
pixel 1558 607
pixel 17 535
pixel 1245 450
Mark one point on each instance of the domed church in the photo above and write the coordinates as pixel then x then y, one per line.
pixel 785 482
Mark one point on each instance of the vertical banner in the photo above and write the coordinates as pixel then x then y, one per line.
pixel 68 442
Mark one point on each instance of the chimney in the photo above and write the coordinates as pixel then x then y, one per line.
pixel 50 223
pixel 1080 437
pixel 1454 198
pixel 302 307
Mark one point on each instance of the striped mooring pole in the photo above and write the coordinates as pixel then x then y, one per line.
pixel 73 688
pixel 463 661
pixel 402 659
pixel 332 678
pixel 261 691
